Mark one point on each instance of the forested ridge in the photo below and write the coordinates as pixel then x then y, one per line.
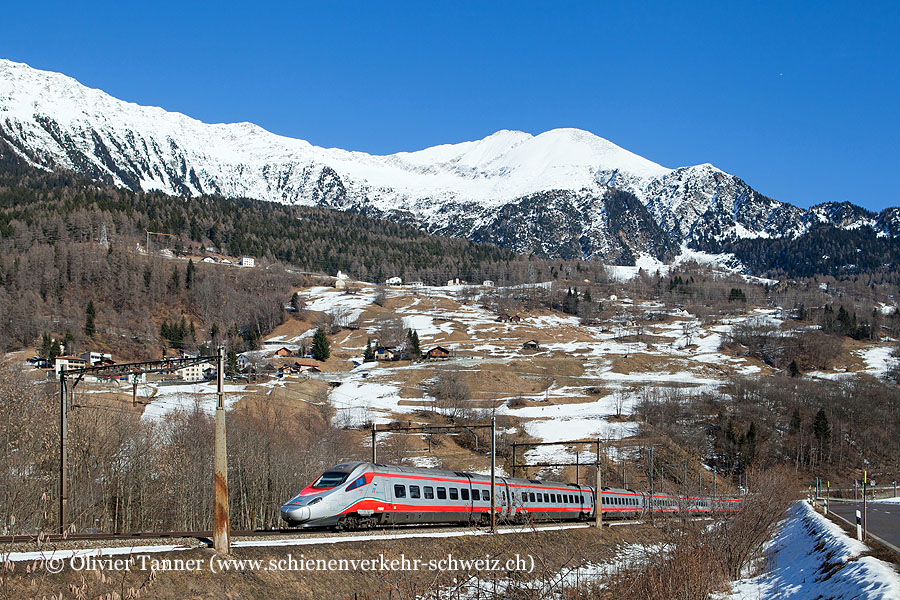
pixel 52 261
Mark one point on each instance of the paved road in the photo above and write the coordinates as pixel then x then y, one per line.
pixel 882 519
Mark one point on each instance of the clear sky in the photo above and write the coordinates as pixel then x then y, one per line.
pixel 800 99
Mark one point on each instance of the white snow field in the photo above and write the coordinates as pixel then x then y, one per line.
pixel 812 558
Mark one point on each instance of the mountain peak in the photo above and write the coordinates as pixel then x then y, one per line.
pixel 560 190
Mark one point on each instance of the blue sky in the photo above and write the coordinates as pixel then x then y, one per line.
pixel 798 99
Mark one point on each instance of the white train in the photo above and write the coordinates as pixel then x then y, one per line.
pixel 362 495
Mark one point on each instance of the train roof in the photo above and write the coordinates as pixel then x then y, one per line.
pixel 478 477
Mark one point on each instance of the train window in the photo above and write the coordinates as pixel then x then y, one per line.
pixel 485 495
pixel 553 498
pixel 442 493
pixel 329 479
pixel 454 494
pixel 414 491
pixel 531 497
pixel 429 492
pixel 360 481
pixel 399 491
pixel 541 496
pixel 465 493
pixel 571 499
pixel 476 495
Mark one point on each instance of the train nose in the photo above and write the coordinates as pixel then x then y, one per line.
pixel 295 515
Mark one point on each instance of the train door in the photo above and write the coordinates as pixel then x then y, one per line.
pixel 383 497
pixel 585 499
pixel 505 500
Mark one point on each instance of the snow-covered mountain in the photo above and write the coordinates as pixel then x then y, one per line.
pixel 565 192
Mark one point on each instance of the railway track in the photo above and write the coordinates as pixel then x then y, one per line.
pixel 206 536
pixel 139 535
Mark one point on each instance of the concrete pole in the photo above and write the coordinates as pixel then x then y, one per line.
pixel 493 475
pixel 650 500
pixel 715 472
pixel 577 474
pixel 598 503
pixel 63 450
pixel 514 459
pixel 374 443
pixel 221 527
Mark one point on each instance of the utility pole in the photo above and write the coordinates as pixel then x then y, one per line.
pixel 514 459
pixel 63 443
pixel 715 472
pixel 221 528
pixel 577 474
pixel 598 504
pixel 374 444
pixel 493 475
pixel 651 482
pixel 684 478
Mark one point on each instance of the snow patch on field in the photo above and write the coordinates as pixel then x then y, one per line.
pixel 183 397
pixel 812 558
pixel 878 360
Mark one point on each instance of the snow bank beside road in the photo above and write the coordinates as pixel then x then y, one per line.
pixel 812 558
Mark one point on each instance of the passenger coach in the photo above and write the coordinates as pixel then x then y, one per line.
pixel 362 495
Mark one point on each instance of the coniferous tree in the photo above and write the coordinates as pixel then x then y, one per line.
pixel 189 275
pixel 231 363
pixel 69 342
pixel 320 349
pixel 369 354
pixel 89 314
pixel 413 348
pixel 822 431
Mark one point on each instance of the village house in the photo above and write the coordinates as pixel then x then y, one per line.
pixel 287 371
pixel 437 352
pixel 487 283
pixel 66 363
pixel 246 261
pixel 306 366
pixel 531 345
pixel 393 281
pixel 37 362
pixel 283 351
pixel 384 354
pixel 192 373
pixel 95 358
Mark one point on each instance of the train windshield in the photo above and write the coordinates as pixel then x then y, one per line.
pixel 329 479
